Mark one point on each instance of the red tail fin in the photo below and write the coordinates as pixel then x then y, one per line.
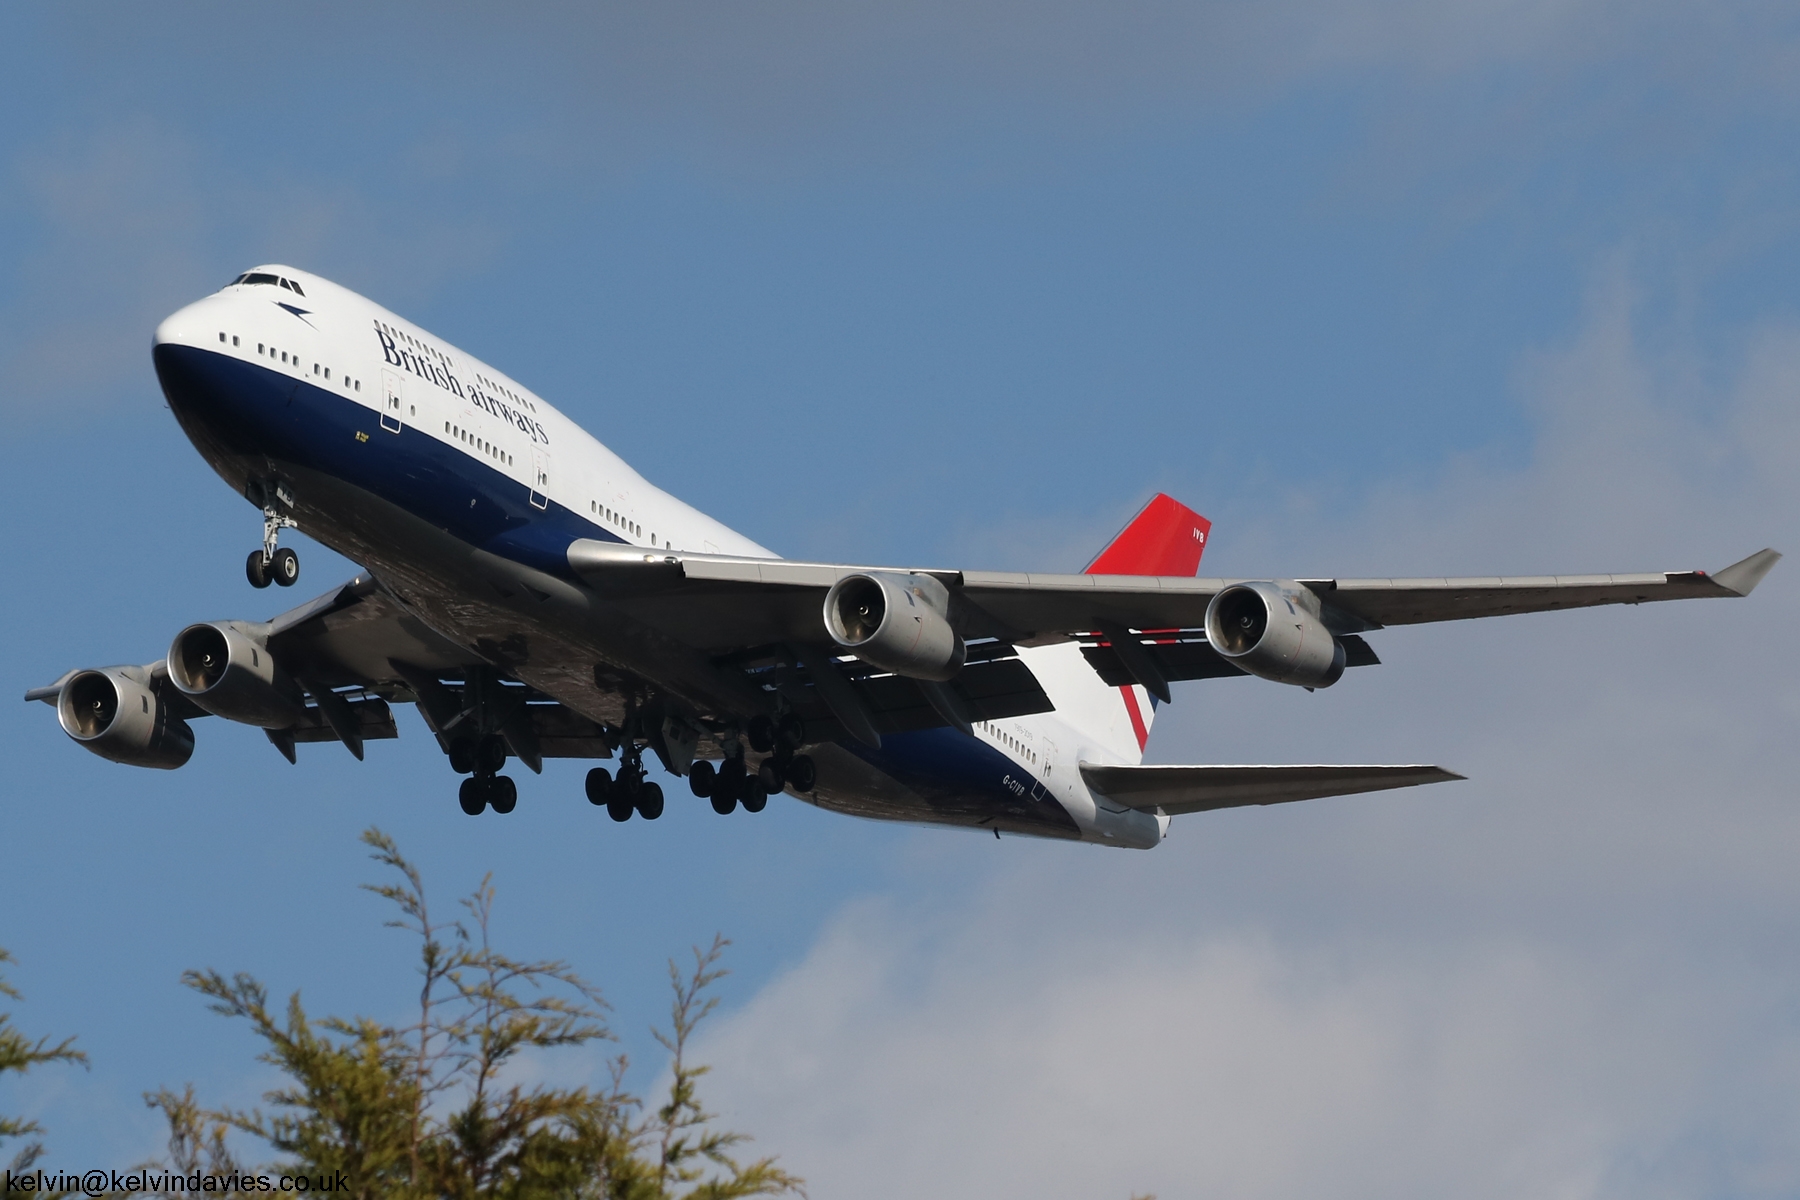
pixel 1165 538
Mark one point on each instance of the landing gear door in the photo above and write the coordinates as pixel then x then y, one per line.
pixel 390 402
pixel 540 478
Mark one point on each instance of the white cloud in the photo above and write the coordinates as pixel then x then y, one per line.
pixel 1571 976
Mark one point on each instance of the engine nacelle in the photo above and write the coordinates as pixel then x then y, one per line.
pixel 897 622
pixel 1273 630
pixel 117 714
pixel 231 674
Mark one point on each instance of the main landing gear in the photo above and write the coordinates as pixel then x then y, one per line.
pixel 482 759
pixel 630 792
pixel 269 564
pixel 732 783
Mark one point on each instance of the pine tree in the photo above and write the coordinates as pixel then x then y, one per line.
pixel 19 1053
pixel 422 1111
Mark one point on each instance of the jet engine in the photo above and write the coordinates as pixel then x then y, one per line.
pixel 224 669
pixel 117 714
pixel 896 622
pixel 1273 630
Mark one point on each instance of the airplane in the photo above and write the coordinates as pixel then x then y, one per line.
pixel 535 597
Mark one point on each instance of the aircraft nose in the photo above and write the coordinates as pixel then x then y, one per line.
pixel 196 325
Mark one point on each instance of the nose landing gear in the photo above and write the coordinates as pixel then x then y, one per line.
pixel 271 564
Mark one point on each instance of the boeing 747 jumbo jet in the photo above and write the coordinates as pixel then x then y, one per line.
pixel 537 598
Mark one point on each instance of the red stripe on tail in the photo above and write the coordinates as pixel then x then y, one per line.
pixel 1165 538
pixel 1137 718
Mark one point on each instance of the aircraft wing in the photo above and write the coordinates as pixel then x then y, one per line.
pixel 719 602
pixel 353 651
pixel 1178 790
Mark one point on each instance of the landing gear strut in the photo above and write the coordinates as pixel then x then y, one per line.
pixel 271 564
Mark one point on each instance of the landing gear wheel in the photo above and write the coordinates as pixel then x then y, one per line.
pixel 701 777
pixel 472 795
pixel 599 785
pixel 724 804
pixel 650 801
pixel 490 754
pixel 503 794
pixel 751 793
pixel 792 731
pixel 761 733
pixel 256 569
pixel 619 808
pixel 462 755
pixel 768 777
pixel 284 567
pixel 801 773
pixel 728 780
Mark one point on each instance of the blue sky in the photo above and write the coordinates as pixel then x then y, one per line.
pixel 1380 287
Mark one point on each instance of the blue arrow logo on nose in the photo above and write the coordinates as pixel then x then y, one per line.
pixel 298 312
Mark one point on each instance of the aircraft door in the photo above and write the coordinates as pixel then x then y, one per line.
pixel 390 401
pixel 540 478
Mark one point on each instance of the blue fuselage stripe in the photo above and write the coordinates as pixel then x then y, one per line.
pixel 255 411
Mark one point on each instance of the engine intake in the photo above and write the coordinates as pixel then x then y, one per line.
pixel 899 623
pixel 117 714
pixel 1273 630
pixel 231 674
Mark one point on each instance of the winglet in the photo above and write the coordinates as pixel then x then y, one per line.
pixel 1743 576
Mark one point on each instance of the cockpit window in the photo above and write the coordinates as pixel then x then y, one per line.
pixel 295 286
pixel 287 285
pixel 258 277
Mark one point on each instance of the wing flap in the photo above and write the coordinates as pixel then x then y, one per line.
pixel 1191 789
pixel 1185 654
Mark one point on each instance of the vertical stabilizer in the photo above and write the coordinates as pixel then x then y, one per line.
pixel 1165 538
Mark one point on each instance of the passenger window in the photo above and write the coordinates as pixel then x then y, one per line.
pixel 221 337
pixel 234 340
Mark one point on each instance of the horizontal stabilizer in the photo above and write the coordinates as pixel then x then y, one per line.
pixel 1178 790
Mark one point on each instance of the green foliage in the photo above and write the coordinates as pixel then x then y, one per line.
pixel 19 1053
pixel 429 1109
